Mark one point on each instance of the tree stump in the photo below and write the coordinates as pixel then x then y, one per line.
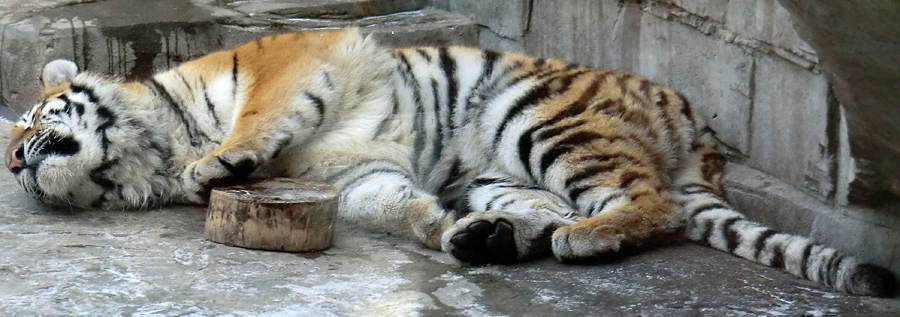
pixel 277 214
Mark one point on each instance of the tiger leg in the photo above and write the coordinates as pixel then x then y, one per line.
pixel 509 221
pixel 626 207
pixel 381 195
pixel 253 142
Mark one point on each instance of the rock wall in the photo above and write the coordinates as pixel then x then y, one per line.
pixel 112 37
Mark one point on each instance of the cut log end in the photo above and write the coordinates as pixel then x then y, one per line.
pixel 276 214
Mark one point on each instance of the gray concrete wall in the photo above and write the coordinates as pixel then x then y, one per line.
pixel 111 37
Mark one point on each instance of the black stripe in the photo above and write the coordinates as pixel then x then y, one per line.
pixel 590 172
pixel 328 83
pixel 520 186
pixel 234 76
pixel 565 146
pixel 281 146
pixel 448 65
pixel 671 128
pixel 209 104
pixel 107 116
pixel 487 70
pixel 645 87
pixel 760 243
pixel 707 231
pixel 732 237
pixel 438 141
pixel 98 203
pixel 706 207
pixel 176 108
pixel 530 99
pixel 686 109
pixel 556 131
pixel 696 188
pixel 56 144
pixel 804 259
pixel 419 128
pixel 359 180
pixel 390 167
pixel 506 204
pixel 526 142
pixel 483 181
pixel 424 54
pixel 831 268
pixel 836 267
pixel 319 104
pixel 629 177
pixel 390 117
pixel 598 208
pixel 405 67
pixel 454 174
pixel 77 88
pixel 603 159
pixel 574 193
pixel 778 255
pixel 490 204
pixel 97 175
pixel 184 81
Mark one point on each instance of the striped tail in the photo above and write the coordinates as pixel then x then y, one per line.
pixel 712 221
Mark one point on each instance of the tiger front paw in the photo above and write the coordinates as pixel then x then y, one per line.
pixel 497 237
pixel 215 170
pixel 483 242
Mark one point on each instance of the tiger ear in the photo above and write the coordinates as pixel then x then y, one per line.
pixel 58 72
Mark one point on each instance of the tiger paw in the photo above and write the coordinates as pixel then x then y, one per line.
pixel 580 242
pixel 223 167
pixel 483 242
pixel 202 174
pixel 496 237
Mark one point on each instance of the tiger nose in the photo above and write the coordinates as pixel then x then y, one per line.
pixel 17 160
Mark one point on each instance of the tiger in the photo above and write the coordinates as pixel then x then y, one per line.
pixel 492 157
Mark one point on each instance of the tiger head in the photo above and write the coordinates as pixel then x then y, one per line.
pixel 80 147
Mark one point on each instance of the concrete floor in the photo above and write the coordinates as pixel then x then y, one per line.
pixel 67 262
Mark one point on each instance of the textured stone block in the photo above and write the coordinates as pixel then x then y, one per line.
pixel 715 75
pixel 591 32
pixel 790 118
pixel 507 18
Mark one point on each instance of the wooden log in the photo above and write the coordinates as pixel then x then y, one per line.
pixel 276 214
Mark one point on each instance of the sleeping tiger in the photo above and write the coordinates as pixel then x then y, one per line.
pixel 492 157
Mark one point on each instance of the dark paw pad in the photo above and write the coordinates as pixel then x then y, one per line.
pixel 483 242
pixel 240 169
